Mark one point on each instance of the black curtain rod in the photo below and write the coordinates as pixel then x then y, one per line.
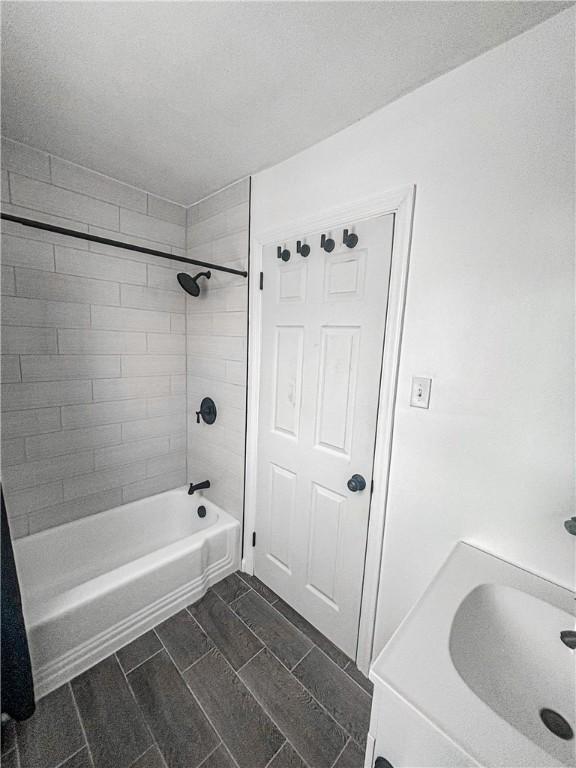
pixel 117 243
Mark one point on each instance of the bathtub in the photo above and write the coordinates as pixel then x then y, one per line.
pixel 95 584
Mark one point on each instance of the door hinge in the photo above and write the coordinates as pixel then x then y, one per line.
pixel 253 538
pixel 372 487
pixel 261 280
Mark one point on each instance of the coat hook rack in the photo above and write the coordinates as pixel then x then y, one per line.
pixel 302 248
pixel 350 239
pixel 327 244
pixel 283 254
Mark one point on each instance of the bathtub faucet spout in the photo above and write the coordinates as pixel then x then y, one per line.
pixel 198 486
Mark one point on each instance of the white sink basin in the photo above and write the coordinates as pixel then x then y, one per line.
pixel 480 657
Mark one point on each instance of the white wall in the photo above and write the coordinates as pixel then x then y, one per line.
pixel 93 344
pixel 216 328
pixel 489 309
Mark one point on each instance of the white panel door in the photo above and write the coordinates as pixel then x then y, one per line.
pixel 323 321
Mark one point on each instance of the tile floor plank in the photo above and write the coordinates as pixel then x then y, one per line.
pixel 183 639
pixel 114 727
pixel 138 651
pixel 314 734
pixel 8 736
pixel 259 586
pixel 10 760
pixel 219 759
pixel 351 757
pixel 337 656
pixel 79 760
pixel 243 726
pixel 280 635
pixel 228 633
pixel 348 704
pixel 230 588
pixel 150 759
pixel 181 730
pixel 52 734
pixel 287 758
pixel 352 671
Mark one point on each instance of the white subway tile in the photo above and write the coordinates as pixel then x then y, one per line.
pixel 152 365
pixel 161 465
pixel 178 323
pixel 230 323
pixel 30 193
pixel 39 394
pixel 133 223
pixel 12 451
pixel 35 421
pixel 160 406
pixel 112 412
pixel 206 368
pixel 5 187
pixel 17 311
pixel 72 440
pixel 23 159
pixel 59 367
pixel 124 319
pixel 178 384
pixel 79 179
pixel 21 230
pixel 113 250
pixel 178 443
pixel 100 342
pixel 236 372
pixel 10 369
pixel 103 480
pixel 153 485
pixel 18 527
pixel 164 209
pixel 227 198
pixel 129 453
pixel 200 324
pixel 224 347
pixel 152 298
pixel 233 394
pixel 8 284
pixel 164 278
pixel 154 427
pixel 34 284
pixel 47 470
pixel 23 252
pixel 74 510
pixel 31 499
pixel 121 389
pixel 166 343
pixel 207 230
pixel 25 340
pixel 89 264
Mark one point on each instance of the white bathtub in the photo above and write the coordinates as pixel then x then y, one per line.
pixel 93 585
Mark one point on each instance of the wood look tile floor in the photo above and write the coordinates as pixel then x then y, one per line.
pixel 236 680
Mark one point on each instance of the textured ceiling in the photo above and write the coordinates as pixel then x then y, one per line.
pixel 182 98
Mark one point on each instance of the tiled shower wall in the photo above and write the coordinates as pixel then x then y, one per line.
pixel 93 342
pixel 216 341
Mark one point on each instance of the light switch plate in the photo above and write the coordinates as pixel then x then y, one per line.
pixel 420 395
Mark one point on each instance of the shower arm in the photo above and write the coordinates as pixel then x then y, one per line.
pixel 116 243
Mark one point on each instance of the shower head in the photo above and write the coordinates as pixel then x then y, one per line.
pixel 190 284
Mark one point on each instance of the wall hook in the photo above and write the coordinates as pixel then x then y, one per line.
pixel 327 244
pixel 283 254
pixel 350 239
pixel 303 249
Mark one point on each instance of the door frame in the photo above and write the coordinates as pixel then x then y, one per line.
pixel 399 201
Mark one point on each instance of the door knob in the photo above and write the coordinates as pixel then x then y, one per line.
pixel 356 483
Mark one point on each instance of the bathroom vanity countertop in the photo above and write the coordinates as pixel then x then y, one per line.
pixel 480 656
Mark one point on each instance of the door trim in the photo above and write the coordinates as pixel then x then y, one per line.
pixel 399 201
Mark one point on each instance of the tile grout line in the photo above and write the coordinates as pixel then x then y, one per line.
pixel 277 751
pixel 145 751
pixel 341 753
pixel 70 757
pixel 79 715
pixel 139 709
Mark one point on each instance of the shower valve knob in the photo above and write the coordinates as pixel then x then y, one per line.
pixel 283 253
pixel 207 411
pixel 350 239
pixel 327 244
